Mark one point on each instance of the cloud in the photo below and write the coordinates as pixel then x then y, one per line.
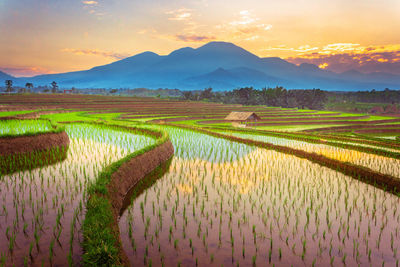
pixel 25 71
pixel 340 47
pixel 95 52
pixel 300 49
pixel 179 14
pixel 344 57
pixel 90 2
pixel 246 26
pixel 194 38
pixel 245 18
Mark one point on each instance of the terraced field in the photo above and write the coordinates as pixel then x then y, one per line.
pixel 288 189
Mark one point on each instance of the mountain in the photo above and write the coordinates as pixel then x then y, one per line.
pixel 4 76
pixel 220 65
pixel 233 78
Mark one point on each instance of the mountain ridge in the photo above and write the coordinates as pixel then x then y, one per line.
pixel 220 65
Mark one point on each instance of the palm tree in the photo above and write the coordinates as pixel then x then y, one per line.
pixel 9 86
pixel 54 87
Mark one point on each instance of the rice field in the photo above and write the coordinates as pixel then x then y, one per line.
pixel 18 127
pixel 42 209
pixel 378 163
pixel 218 203
pixel 259 208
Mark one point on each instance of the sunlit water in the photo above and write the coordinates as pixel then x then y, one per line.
pixel 375 162
pixel 42 210
pixel 223 203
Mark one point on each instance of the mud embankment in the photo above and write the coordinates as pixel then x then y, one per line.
pixel 25 144
pixel 30 152
pixel 127 176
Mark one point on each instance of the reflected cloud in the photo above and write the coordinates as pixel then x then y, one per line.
pixel 90 2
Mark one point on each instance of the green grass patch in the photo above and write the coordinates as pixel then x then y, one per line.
pixel 15 112
pixel 16 128
pixel 101 244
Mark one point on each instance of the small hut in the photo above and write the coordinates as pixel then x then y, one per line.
pixel 238 118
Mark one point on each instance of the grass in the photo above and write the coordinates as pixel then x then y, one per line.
pixel 14 113
pixel 14 128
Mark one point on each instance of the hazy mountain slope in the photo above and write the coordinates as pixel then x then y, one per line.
pixel 221 65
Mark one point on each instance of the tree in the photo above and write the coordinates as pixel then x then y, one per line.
pixel 54 87
pixel 206 94
pixel 9 88
pixel 113 91
pixel 29 86
pixel 187 95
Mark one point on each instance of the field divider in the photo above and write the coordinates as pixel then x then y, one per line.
pixel 29 150
pixel 318 140
pixel 102 243
pixel 367 175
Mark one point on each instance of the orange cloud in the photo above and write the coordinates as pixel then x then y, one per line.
pixel 26 71
pixel 96 52
pixel 344 57
pixel 194 38
pixel 323 65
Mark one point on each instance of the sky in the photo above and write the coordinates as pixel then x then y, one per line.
pixel 53 36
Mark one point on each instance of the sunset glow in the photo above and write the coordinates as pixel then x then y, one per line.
pixel 59 36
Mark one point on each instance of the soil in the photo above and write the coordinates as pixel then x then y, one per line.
pixel 26 144
pixel 128 175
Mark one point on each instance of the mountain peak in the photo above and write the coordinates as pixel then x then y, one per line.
pixel 219 44
pixel 181 51
pixel 221 65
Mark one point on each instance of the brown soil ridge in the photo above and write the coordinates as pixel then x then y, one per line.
pixel 127 176
pixel 25 144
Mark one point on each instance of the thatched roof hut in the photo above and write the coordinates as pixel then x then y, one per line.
pixel 242 116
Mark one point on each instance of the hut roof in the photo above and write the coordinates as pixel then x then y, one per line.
pixel 241 116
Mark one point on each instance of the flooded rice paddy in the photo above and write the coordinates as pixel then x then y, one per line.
pixel 14 127
pixel 41 210
pixel 377 163
pixel 223 203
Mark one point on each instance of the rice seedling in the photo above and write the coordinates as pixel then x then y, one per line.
pixel 375 162
pixel 42 201
pixel 286 194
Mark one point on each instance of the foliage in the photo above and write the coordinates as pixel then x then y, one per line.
pixel 277 97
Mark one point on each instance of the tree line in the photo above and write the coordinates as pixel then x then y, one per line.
pixel 295 98
pixel 278 96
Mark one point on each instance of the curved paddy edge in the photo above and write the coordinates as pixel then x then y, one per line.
pixel 25 144
pixel 383 181
pixel 102 243
pixel 28 151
